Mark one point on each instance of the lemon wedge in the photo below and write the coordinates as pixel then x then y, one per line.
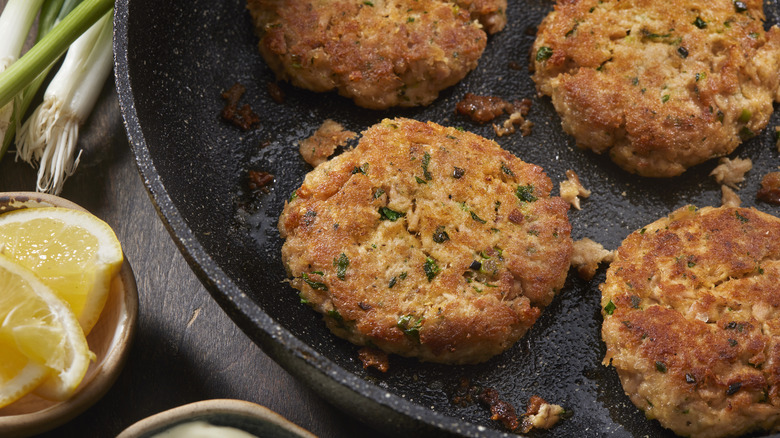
pixel 73 252
pixel 40 338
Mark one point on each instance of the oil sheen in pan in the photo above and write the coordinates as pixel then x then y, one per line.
pixel 196 169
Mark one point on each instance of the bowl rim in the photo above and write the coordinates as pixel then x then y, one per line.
pixel 99 379
pixel 197 410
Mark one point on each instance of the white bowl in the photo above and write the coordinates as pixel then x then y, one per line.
pixel 110 340
pixel 248 417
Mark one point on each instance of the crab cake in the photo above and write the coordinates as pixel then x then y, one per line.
pixel 661 86
pixel 691 308
pixel 381 53
pixel 428 242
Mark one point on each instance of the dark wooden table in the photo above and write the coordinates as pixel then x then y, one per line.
pixel 186 348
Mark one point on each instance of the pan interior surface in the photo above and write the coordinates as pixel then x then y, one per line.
pixel 182 55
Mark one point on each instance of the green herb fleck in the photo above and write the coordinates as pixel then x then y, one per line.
pixel 403 276
pixel 457 172
pixel 740 6
pixel 369 3
pixel 409 327
pixel 318 285
pixel 431 268
pixel 378 192
pixel 526 193
pixel 507 170
pixel 425 161
pixel 293 196
pixel 392 282
pixel 609 308
pixel 733 342
pixel 336 315
pixel 660 366
pixel 635 301
pixel 682 51
pixel 362 169
pixel 477 218
pixel 698 22
pixel 665 98
pixel 390 215
pixel 745 116
pixel 655 36
pixel 341 263
pixel 544 53
pixel 420 180
pixel 742 219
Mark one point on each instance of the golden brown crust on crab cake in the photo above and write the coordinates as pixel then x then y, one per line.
pixel 661 86
pixel 427 241
pixel 382 53
pixel 691 308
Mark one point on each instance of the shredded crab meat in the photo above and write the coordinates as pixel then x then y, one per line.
pixel 729 197
pixel 572 189
pixel 588 255
pixel 730 172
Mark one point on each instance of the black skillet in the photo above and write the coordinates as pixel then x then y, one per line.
pixel 174 58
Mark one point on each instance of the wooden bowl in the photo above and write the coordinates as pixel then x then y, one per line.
pixel 245 416
pixel 110 340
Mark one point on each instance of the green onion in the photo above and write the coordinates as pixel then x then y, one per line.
pixel 54 44
pixel 50 134
pixel 544 53
pixel 318 285
pixel 431 268
pixel 36 62
pixel 15 23
pixel 389 214
pixel 526 193
pixel 745 116
pixel 341 263
pixel 409 327
pixel 52 12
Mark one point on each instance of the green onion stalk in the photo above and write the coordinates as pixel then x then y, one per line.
pixel 20 74
pixel 52 12
pixel 50 135
pixel 15 23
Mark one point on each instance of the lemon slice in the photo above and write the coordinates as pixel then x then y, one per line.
pixel 73 252
pixel 40 337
